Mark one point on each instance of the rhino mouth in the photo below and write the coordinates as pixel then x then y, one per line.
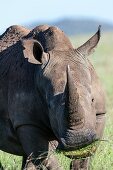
pixel 83 152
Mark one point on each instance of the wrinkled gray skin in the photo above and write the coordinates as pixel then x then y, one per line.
pixel 48 91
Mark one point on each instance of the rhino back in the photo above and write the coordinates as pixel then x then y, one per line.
pixel 12 35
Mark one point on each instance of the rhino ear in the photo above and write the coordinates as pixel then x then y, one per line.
pixel 88 47
pixel 33 51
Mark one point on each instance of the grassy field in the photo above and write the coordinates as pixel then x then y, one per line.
pixel 103 63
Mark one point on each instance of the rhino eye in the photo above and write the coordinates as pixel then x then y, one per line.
pixel 92 100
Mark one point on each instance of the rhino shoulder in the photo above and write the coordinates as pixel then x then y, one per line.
pixel 12 35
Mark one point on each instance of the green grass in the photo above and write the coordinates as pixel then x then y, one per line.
pixel 103 63
pixel 10 162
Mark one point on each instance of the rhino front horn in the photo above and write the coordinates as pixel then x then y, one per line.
pixel 74 109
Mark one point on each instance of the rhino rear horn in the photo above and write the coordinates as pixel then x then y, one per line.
pixel 88 47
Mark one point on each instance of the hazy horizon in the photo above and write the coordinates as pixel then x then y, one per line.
pixel 24 12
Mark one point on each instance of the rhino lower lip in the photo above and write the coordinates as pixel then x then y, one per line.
pixel 80 145
pixel 62 147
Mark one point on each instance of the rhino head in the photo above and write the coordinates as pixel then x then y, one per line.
pixel 64 81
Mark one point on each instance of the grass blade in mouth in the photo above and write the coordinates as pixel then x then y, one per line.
pixel 83 152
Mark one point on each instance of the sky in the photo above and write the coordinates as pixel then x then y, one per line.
pixel 22 12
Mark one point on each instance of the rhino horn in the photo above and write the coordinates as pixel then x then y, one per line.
pixel 75 112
